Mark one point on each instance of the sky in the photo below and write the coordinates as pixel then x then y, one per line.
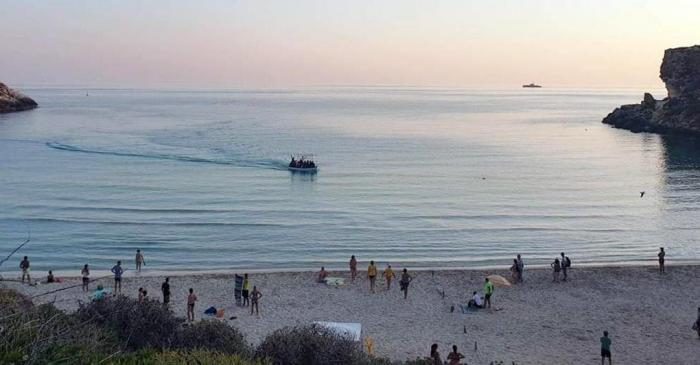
pixel 273 44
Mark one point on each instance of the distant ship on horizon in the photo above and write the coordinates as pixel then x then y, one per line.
pixel 532 85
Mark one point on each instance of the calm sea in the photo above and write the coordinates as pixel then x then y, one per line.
pixel 408 176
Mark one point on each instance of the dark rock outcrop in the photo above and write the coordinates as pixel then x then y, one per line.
pixel 13 101
pixel 680 111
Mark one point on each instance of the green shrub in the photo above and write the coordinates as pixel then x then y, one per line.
pixel 214 336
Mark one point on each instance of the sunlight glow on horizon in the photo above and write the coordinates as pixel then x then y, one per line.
pixel 314 42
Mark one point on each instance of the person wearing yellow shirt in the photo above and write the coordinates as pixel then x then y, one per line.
pixel 488 291
pixel 389 276
pixel 372 275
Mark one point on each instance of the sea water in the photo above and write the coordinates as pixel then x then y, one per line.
pixel 416 177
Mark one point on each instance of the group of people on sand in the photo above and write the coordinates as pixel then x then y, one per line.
pixel 372 273
pixel 453 358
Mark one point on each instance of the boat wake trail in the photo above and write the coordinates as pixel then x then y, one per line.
pixel 268 164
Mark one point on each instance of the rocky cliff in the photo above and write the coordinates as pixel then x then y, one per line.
pixel 13 101
pixel 680 110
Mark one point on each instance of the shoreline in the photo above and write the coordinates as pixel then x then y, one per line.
pixel 648 315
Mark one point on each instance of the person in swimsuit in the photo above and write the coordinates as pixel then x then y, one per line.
pixel 405 280
pixel 353 267
pixel 50 278
pixel 454 356
pixel 24 265
pixel 556 268
pixel 255 296
pixel 85 273
pixel 322 275
pixel 389 276
pixel 372 275
pixel 139 260
pixel 662 259
pixel 118 271
pixel 165 288
pixel 191 300
pixel 246 290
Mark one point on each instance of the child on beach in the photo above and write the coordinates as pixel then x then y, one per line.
pixel 191 299
pixel 556 267
pixel 246 290
pixel 85 273
pixel 662 259
pixel 24 266
pixel 389 276
pixel 254 300
pixel 353 267
pixel 488 291
pixel 142 295
pixel 117 271
pixel 405 280
pixel 454 356
pixel 139 260
pixel 165 288
pixel 605 349
pixel 372 275
pixel 49 278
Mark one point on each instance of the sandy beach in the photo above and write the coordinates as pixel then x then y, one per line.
pixel 649 316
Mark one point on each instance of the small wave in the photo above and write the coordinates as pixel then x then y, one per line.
pixel 269 164
pixel 147 223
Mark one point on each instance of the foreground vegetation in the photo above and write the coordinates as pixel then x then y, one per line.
pixel 122 331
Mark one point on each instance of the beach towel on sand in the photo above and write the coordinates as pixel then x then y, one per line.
pixel 333 281
pixel 467 310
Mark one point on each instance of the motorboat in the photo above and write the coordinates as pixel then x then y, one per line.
pixel 303 163
pixel 532 85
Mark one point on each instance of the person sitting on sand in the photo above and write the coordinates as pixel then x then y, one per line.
pixel 85 273
pixel 454 356
pixel 605 348
pixel 372 275
pixel 255 296
pixel 488 292
pixel 99 294
pixel 405 280
pixel 322 275
pixel 435 355
pixel 142 295
pixel 475 301
pixel 24 266
pixel 353 267
pixel 49 278
pixel 191 300
pixel 389 276
pixel 556 267
pixel 662 260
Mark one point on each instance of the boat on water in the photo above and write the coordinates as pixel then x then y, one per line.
pixel 532 85
pixel 303 163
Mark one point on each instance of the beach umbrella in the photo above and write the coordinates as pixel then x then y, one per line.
pixel 499 280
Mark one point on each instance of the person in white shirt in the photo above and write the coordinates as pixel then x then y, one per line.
pixel 476 301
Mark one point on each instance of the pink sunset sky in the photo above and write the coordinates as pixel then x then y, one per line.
pixel 261 44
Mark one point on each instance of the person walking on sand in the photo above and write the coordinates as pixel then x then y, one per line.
pixel 454 356
pixel 389 276
pixel 662 259
pixel 372 275
pixel 521 268
pixel 117 271
pixel 165 288
pixel 514 271
pixel 245 293
pixel 605 349
pixel 565 265
pixel 353 267
pixel 556 267
pixel 255 296
pixel 405 280
pixel 24 266
pixel 85 273
pixel 488 292
pixel 139 260
pixel 191 300
pixel 435 355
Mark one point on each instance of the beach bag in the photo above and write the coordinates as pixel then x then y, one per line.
pixel 568 261
pixel 210 311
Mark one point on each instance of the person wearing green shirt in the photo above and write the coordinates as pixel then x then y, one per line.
pixel 488 291
pixel 605 349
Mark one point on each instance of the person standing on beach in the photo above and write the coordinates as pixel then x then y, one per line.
pixel 246 290
pixel 488 292
pixel 662 259
pixel 514 271
pixel 24 266
pixel 139 260
pixel 565 265
pixel 372 275
pixel 165 288
pixel 605 349
pixel 117 271
pixel 405 280
pixel 521 268
pixel 255 296
pixel 389 276
pixel 191 300
pixel 435 355
pixel 556 267
pixel 85 273
pixel 454 356
pixel 353 267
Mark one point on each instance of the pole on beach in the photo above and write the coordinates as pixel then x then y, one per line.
pixel 29 238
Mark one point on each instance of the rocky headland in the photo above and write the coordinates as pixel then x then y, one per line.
pixel 13 101
pixel 680 110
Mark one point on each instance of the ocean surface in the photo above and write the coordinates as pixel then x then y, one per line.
pixel 421 177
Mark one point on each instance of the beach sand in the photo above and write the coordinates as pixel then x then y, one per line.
pixel 649 316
